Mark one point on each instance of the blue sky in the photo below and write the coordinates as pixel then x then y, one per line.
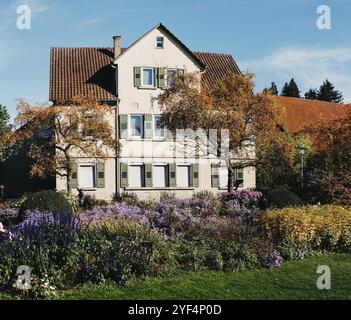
pixel 276 39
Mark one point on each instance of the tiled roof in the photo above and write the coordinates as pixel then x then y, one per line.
pixel 302 113
pixel 86 71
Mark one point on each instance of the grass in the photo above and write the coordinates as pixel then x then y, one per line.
pixel 294 280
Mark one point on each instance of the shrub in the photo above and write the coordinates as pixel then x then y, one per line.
pixel 65 251
pixel 314 228
pixel 119 250
pixel 46 201
pixel 281 198
pixel 211 254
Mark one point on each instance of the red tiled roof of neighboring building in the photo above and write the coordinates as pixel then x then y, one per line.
pixel 303 113
pixel 88 71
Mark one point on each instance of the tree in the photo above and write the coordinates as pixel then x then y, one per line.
pixel 5 133
pixel 327 92
pixel 291 89
pixel 56 135
pixel 329 179
pixel 251 119
pixel 274 89
pixel 311 94
pixel 285 90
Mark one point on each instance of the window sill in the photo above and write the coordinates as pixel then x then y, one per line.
pixel 88 189
pixel 147 88
pixel 159 189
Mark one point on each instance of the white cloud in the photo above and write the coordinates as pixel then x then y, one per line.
pixel 310 66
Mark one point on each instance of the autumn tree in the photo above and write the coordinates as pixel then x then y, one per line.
pixel 329 177
pixel 251 119
pixel 58 134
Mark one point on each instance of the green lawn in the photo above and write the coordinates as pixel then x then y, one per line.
pixel 294 280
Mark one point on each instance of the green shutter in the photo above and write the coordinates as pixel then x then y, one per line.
pixel 124 175
pixel 173 175
pixel 100 118
pixel 180 72
pixel 123 126
pixel 160 76
pixel 148 126
pixel 74 175
pixel 148 175
pixel 195 171
pixel 100 175
pixel 215 176
pixel 137 77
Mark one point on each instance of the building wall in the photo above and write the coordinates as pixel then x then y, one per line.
pixel 135 100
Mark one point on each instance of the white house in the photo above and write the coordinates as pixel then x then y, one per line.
pixel 128 79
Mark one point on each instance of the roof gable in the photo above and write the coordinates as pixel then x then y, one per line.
pixel 171 36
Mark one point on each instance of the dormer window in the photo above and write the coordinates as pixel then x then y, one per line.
pixel 160 42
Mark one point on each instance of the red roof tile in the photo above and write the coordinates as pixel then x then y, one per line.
pixel 84 71
pixel 302 113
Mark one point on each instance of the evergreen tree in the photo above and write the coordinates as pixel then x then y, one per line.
pixel 291 89
pixel 327 92
pixel 285 90
pixel 312 94
pixel 4 119
pixel 274 89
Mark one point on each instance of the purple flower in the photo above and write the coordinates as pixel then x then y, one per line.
pixel 274 259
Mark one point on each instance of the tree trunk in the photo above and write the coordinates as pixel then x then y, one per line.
pixel 230 178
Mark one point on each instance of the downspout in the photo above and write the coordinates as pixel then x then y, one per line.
pixel 117 177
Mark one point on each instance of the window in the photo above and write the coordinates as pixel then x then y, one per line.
pixel 240 178
pixel 136 176
pixel 159 131
pixel 223 177
pixel 160 176
pixel 183 176
pixel 160 42
pixel 148 77
pixel 171 76
pixel 136 126
pixel 87 176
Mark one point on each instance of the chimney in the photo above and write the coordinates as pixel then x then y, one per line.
pixel 117 46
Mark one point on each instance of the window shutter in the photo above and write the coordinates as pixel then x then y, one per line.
pixel 195 172
pixel 172 175
pixel 100 175
pixel 161 75
pixel 74 175
pixel 215 176
pixel 100 118
pixel 180 72
pixel 148 126
pixel 124 175
pixel 123 126
pixel 137 77
pixel 148 175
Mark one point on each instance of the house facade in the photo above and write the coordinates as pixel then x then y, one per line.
pixel 151 160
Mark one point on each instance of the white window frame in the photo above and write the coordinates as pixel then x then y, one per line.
pixel 161 40
pixel 142 179
pixel 93 166
pixel 156 137
pixel 189 175
pixel 153 85
pixel 165 168
pixel 131 136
